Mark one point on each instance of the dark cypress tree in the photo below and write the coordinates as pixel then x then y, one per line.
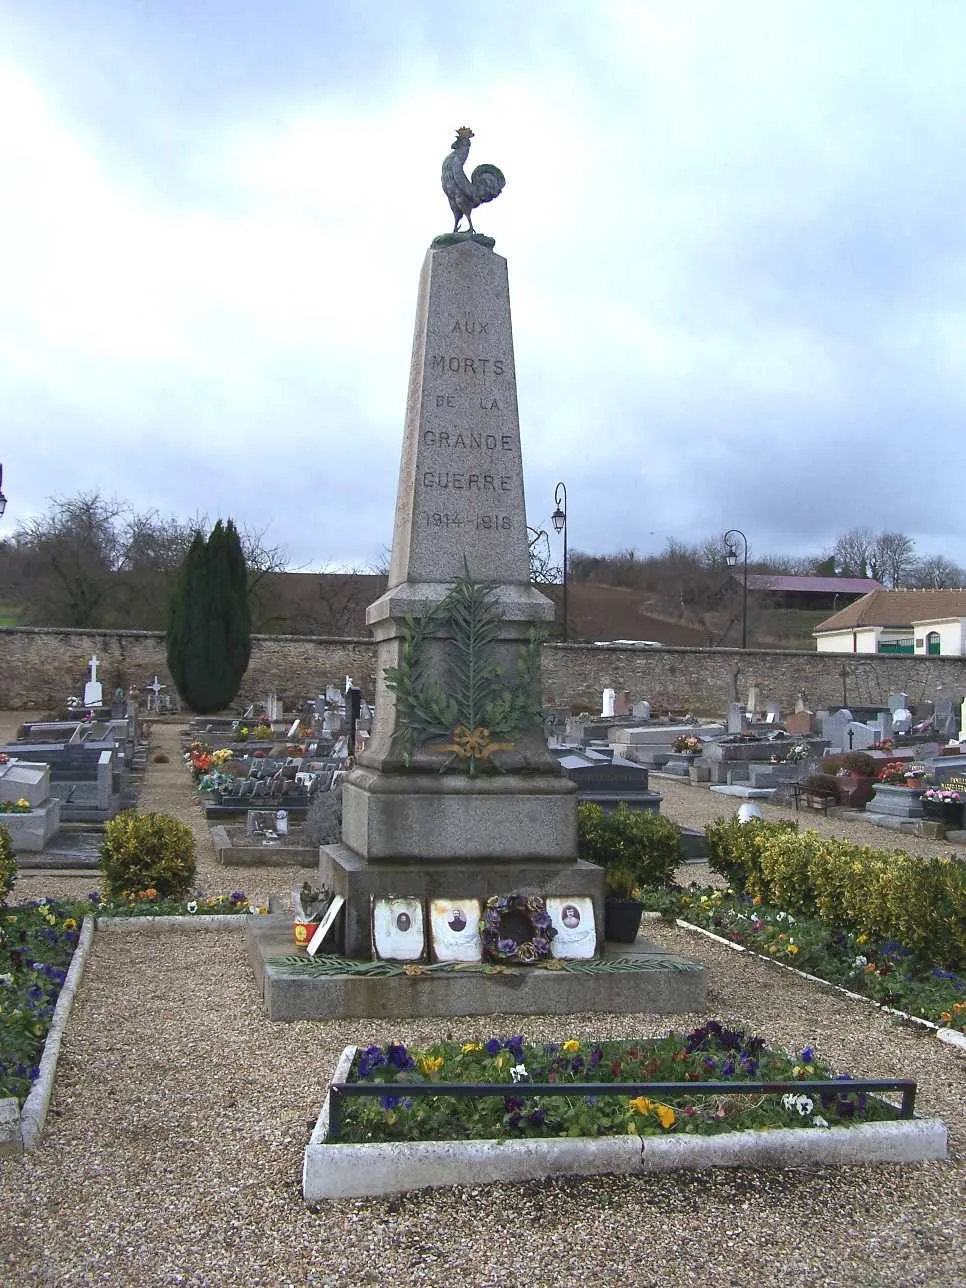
pixel 209 624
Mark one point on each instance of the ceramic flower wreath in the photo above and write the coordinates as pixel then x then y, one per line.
pixel 516 928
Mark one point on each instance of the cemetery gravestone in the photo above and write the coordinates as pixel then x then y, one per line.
pixel 93 692
pixel 736 718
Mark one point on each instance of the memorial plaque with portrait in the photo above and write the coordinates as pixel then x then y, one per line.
pixel 573 920
pixel 398 930
pixel 454 929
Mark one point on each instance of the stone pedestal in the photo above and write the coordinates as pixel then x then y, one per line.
pixel 30 831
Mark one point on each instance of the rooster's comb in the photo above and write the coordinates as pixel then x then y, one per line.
pixel 464 132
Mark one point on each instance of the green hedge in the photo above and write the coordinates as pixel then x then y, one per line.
pixel 881 894
pixel 649 844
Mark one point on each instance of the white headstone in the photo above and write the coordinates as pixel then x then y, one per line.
pixel 736 718
pixel 93 693
pixel 754 697
pixel 901 720
pixel 607 706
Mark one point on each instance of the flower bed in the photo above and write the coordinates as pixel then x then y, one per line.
pixel 886 972
pixel 506 1110
pixel 712 1053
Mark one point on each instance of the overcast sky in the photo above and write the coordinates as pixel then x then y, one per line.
pixel 736 236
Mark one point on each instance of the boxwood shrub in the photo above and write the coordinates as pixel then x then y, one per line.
pixel 144 852
pixel 649 844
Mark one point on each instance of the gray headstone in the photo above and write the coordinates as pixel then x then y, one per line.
pixel 834 727
pixel 773 713
pixel 641 711
pixel 884 721
pixel 897 701
pixel 736 718
pixel 754 698
pixel 862 736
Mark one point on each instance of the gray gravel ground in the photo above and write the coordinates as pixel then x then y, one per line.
pixel 173 1150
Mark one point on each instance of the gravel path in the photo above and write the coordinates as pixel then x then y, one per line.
pixel 172 1153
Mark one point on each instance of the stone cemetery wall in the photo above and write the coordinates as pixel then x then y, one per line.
pixel 706 680
pixel 39 668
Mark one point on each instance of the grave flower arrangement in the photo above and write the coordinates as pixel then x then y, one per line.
pixel 711 1053
pixel 21 806
pixel 688 743
pixel 895 772
pixel 943 795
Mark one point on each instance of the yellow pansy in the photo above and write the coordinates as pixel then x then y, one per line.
pixel 571 1045
pixel 471 1046
pixel 431 1063
pixel 641 1105
pixel 665 1116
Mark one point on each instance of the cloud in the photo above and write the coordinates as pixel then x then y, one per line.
pixel 734 236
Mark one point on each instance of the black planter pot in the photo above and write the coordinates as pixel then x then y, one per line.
pixel 948 812
pixel 622 920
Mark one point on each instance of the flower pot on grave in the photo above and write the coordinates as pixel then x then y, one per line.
pixel 948 812
pixel 854 790
pixel 622 920
pixel 303 931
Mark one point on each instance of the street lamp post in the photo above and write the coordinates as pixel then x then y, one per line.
pixel 731 558
pixel 559 521
pixel 3 499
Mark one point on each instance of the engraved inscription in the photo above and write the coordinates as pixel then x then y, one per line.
pixel 467 366
pixel 468 439
pixel 471 326
pixel 467 481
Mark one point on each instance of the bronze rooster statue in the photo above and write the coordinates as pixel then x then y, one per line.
pixel 464 195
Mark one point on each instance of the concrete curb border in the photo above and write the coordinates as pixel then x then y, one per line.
pixel 20 1129
pixel 203 921
pixel 952 1037
pixel 357 1171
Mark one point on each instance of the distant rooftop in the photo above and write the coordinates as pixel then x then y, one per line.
pixel 810 585
pixel 896 608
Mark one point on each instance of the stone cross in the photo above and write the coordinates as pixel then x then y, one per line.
pixel 93 666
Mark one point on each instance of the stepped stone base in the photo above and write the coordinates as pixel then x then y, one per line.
pixel 631 979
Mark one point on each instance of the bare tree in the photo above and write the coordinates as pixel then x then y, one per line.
pixel 854 553
pixel 91 561
pixel 893 557
pixel 936 572
pixel 543 571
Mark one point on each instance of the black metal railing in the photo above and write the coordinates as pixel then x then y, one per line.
pixel 671 1090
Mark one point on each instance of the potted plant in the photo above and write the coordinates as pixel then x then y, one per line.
pixel 310 906
pixel 622 911
pixel 688 744
pixel 943 805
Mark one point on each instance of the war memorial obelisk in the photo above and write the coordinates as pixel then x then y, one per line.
pixel 456 796
pixel 439 806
